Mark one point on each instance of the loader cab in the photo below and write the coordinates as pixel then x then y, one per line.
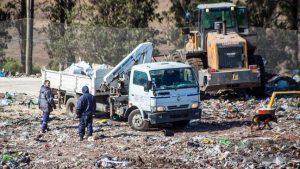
pixel 211 17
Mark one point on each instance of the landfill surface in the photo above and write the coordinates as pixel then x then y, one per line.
pixel 221 139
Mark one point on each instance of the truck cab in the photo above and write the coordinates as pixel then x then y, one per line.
pixel 162 92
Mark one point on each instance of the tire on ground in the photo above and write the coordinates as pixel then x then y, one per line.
pixel 71 107
pixel 136 121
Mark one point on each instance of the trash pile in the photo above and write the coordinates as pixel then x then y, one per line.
pixel 10 98
pixel 83 68
pixel 221 139
pixel 281 83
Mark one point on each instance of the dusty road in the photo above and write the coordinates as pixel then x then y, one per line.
pixel 27 85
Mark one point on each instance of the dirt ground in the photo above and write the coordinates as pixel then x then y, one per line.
pixel 222 139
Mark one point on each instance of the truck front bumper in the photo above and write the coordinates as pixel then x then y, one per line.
pixel 229 79
pixel 172 116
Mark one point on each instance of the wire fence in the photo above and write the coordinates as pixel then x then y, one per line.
pixel 57 45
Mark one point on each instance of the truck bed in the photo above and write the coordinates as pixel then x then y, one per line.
pixel 74 82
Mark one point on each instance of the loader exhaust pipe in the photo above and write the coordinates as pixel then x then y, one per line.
pixel 219 29
pixel 224 27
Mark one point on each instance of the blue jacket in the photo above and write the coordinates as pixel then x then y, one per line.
pixel 86 104
pixel 46 102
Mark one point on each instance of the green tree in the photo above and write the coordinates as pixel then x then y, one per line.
pixel 60 13
pixel 16 9
pixel 100 31
pixel 277 14
pixel 4 35
pixel 120 13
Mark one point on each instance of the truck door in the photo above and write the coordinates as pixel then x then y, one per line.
pixel 137 93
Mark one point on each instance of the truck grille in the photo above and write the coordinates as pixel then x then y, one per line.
pixel 231 56
pixel 174 107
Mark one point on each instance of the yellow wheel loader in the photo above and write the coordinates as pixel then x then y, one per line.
pixel 221 49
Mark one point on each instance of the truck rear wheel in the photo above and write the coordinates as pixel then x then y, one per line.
pixel 71 107
pixel 136 122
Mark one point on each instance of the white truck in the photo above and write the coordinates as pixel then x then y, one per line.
pixel 144 93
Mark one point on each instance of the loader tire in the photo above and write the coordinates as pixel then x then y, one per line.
pixel 136 122
pixel 71 107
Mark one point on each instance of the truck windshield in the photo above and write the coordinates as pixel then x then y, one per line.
pixel 218 15
pixel 173 78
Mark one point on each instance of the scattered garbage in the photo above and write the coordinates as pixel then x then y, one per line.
pixel 102 121
pixel 116 117
pixel 9 98
pixel 297 119
pixel 2 74
pixel 15 162
pixel 296 75
pixel 221 139
pixel 224 142
pixel 207 141
pixel 109 162
pixel 78 162
pixel 280 83
pixel 6 157
pixel 5 102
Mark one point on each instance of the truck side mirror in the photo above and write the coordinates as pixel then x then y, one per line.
pixel 147 86
pixel 185 30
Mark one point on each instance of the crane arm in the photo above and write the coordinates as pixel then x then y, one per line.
pixel 141 54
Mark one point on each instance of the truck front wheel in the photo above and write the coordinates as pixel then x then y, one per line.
pixel 136 122
pixel 71 107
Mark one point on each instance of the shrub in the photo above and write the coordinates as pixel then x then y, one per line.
pixel 11 65
pixel 36 69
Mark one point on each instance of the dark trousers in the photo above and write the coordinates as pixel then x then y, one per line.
pixel 86 122
pixel 45 120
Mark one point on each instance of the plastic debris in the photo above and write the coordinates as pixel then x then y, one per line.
pixel 224 141
pixel 280 83
pixel 102 121
pixel 6 157
pixel 207 141
pixel 78 163
pixel 107 162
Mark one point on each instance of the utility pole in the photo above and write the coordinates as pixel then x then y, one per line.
pixel 29 26
pixel 298 31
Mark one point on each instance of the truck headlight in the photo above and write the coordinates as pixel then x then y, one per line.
pixel 195 105
pixel 158 108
